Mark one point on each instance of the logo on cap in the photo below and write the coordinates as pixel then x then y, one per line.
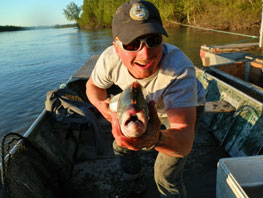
pixel 139 12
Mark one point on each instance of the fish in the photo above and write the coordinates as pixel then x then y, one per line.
pixel 132 110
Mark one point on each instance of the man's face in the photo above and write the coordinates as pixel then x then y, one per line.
pixel 142 63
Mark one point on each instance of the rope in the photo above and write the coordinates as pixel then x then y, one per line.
pixel 237 34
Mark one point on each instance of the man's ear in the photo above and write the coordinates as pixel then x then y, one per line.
pixel 116 47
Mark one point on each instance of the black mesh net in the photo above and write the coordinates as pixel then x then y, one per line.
pixel 39 168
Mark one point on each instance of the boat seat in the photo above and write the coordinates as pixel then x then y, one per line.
pixel 219 106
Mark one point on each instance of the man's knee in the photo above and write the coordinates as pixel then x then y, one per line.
pixel 168 173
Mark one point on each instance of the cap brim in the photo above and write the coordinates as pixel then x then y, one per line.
pixel 129 34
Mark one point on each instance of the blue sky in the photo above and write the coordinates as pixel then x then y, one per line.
pixel 34 12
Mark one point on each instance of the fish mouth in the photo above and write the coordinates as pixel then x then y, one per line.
pixel 133 118
pixel 133 124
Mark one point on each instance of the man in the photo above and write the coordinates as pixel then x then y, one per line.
pixel 168 76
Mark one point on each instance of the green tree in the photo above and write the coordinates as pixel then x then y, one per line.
pixel 98 13
pixel 88 17
pixel 217 14
pixel 72 12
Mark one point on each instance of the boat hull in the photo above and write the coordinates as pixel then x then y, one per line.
pixel 240 133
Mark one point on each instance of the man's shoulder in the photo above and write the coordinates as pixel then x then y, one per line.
pixel 174 59
pixel 109 58
pixel 109 53
pixel 169 47
pixel 106 68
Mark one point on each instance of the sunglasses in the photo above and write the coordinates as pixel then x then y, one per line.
pixel 152 41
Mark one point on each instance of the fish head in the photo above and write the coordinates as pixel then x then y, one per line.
pixel 133 111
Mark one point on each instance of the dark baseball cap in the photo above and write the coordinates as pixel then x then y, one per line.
pixel 134 19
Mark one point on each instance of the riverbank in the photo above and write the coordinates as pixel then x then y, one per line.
pixel 9 28
pixel 219 26
pixel 252 30
pixel 247 28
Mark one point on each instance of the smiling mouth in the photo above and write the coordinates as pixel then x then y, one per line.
pixel 145 64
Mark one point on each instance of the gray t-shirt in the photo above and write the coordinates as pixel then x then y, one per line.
pixel 173 85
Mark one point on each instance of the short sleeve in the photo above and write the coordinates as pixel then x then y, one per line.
pixel 102 72
pixel 182 91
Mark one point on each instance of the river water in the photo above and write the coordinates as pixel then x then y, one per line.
pixel 36 61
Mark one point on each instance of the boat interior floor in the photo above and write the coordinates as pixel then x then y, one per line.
pixel 97 175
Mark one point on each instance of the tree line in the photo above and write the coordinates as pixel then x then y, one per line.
pixel 220 14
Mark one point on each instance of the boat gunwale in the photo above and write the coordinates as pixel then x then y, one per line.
pixel 231 87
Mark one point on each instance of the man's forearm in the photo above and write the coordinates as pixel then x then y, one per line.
pixel 177 143
pixel 95 94
pixel 178 140
pixel 98 97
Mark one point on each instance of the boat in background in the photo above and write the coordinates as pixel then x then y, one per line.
pixel 236 66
